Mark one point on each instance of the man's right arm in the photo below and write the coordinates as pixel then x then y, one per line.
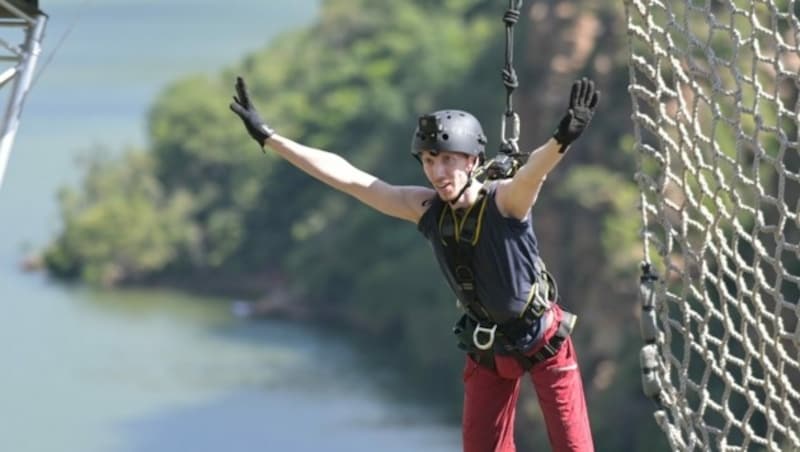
pixel 406 202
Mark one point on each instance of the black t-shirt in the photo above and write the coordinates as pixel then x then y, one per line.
pixel 505 260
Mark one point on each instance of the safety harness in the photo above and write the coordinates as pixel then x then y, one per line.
pixel 459 237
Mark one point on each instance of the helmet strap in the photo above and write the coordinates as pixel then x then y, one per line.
pixel 455 199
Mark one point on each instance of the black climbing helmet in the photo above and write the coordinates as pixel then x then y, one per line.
pixel 449 130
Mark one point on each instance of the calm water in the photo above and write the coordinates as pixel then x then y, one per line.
pixel 83 370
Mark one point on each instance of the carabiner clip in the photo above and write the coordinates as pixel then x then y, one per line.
pixel 510 141
pixel 481 329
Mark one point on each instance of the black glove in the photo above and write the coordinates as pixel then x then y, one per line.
pixel 582 102
pixel 241 105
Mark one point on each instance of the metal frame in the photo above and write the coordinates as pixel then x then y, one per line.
pixel 16 14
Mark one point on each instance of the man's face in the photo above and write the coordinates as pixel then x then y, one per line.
pixel 448 172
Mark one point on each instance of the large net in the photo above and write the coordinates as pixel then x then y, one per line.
pixel 714 86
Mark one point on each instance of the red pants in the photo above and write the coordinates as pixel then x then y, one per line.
pixel 490 399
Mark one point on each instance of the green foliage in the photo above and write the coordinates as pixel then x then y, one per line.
pixel 600 190
pixel 197 148
pixel 122 226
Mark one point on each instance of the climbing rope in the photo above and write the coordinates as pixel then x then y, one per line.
pixel 508 158
pixel 510 139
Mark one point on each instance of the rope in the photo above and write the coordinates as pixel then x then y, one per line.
pixel 508 159
pixel 511 82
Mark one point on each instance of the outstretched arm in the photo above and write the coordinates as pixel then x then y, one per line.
pixel 516 196
pixel 406 202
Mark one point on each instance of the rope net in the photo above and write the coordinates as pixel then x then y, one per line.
pixel 714 88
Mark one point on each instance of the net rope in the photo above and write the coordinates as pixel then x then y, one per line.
pixel 714 88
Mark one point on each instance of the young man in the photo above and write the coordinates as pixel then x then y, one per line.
pixel 484 242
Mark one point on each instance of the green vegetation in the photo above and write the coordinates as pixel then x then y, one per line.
pixel 203 205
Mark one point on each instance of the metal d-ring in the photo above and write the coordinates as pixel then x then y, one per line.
pixel 483 330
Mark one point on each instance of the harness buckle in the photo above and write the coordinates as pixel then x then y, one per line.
pixel 539 299
pixel 484 330
pixel 465 278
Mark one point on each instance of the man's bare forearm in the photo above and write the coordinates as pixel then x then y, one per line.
pixel 541 161
pixel 324 166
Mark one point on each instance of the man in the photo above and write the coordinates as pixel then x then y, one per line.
pixel 484 242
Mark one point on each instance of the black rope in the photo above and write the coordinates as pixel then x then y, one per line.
pixel 508 159
pixel 510 80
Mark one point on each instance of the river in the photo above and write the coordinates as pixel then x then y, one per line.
pixel 134 371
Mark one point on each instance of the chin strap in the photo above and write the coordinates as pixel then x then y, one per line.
pixel 460 193
pixel 463 189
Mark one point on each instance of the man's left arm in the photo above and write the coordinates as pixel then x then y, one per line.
pixel 516 196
